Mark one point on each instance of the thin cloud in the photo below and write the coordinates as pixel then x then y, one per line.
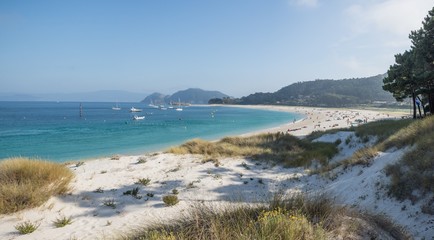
pixel 397 17
pixel 305 3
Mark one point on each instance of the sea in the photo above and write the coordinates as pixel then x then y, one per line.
pixel 71 131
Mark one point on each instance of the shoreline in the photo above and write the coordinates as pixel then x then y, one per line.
pixel 302 127
pixel 326 118
pixel 100 180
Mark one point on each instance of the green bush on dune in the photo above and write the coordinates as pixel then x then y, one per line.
pixel 26 183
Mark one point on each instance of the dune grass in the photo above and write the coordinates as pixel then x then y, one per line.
pixel 26 183
pixel 382 129
pixel 415 132
pixel 297 217
pixel 413 176
pixel 277 147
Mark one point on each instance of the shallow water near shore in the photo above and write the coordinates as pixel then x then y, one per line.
pixel 56 132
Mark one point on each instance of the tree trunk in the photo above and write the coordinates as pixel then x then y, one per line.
pixel 423 107
pixel 413 97
pixel 431 102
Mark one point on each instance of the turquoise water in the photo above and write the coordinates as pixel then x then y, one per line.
pixel 55 131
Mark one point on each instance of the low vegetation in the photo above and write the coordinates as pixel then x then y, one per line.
pixel 110 203
pixel 26 227
pixel 144 181
pixel 294 218
pixel 382 129
pixel 63 221
pixel 277 147
pixel 27 183
pixel 413 176
pixel 170 200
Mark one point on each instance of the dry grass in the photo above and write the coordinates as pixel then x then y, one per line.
pixel 29 183
pixel 413 176
pixel 382 129
pixel 282 148
pixel 294 218
pixel 409 134
pixel 363 156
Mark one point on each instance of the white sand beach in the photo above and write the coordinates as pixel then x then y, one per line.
pixel 101 181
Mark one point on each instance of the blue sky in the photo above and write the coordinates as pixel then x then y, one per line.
pixel 234 46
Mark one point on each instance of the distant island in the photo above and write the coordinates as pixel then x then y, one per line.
pixel 191 96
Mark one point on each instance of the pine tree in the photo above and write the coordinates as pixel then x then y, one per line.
pixel 413 72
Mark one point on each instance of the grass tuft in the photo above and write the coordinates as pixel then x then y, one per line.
pixel 63 221
pixel 144 181
pixel 26 227
pixel 29 183
pixel 363 156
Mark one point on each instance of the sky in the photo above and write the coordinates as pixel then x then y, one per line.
pixel 237 47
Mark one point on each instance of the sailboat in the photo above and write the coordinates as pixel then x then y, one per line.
pixel 179 108
pixel 116 108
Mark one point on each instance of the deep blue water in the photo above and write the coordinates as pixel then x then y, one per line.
pixel 55 131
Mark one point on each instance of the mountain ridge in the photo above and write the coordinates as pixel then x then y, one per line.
pixel 190 95
pixel 321 93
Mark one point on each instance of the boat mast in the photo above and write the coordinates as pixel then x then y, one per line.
pixel 81 110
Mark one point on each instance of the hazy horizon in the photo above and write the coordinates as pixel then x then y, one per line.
pixel 235 47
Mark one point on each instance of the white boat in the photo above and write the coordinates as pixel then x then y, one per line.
pixel 133 109
pixel 179 108
pixel 116 108
pixel 152 105
pixel 138 117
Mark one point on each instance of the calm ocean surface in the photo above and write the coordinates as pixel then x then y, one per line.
pixel 55 131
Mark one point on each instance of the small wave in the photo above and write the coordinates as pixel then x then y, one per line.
pixel 19 133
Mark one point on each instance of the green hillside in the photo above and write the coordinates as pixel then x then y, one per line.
pixel 330 93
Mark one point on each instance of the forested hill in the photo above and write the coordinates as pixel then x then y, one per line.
pixel 331 93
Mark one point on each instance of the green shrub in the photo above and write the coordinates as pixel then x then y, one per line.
pixel 141 160
pixel 170 200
